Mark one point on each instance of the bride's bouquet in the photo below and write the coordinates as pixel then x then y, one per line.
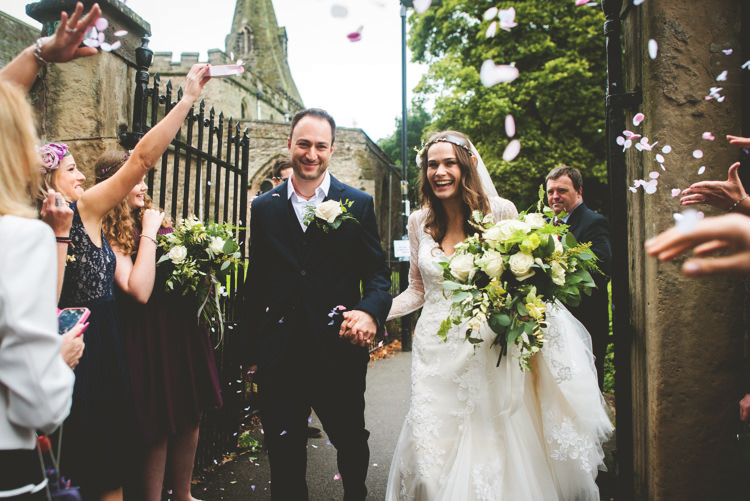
pixel 506 274
pixel 198 259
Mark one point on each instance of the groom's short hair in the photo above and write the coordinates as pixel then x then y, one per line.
pixel 314 112
pixel 563 170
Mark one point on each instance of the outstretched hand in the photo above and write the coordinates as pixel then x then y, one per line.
pixel 730 232
pixel 64 44
pixel 720 194
pixel 195 80
pixel 742 142
pixel 358 327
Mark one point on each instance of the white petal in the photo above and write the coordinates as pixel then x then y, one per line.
pixel 492 74
pixel 512 150
pixel 653 49
pixel 697 154
pixel 491 30
pixel 722 76
pixel 339 11
pixel 638 118
pixel 659 158
pixel 421 6
pixel 666 149
pixel 490 13
pixel 510 126
pixel 702 170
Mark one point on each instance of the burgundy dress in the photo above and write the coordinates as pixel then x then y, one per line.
pixel 170 359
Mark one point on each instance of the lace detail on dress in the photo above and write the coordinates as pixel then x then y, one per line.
pixel 565 442
pixel 90 270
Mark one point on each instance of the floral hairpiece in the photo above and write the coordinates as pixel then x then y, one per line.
pixel 106 169
pixel 446 139
pixel 52 154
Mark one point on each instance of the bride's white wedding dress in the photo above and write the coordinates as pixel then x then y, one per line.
pixel 477 431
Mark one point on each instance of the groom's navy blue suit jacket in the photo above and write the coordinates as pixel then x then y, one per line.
pixel 295 278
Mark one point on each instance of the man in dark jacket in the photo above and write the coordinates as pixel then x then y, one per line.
pixel 565 197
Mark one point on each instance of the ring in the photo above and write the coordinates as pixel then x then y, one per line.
pixel 70 30
pixel 58 202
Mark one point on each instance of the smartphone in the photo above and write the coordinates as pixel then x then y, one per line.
pixel 70 317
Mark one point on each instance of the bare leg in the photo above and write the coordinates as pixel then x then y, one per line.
pixel 181 458
pixel 152 475
pixel 115 495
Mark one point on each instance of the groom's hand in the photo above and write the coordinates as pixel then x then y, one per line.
pixel 358 327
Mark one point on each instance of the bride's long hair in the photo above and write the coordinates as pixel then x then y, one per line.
pixel 470 187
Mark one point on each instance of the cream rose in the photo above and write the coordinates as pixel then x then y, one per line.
pixel 558 246
pixel 558 273
pixel 506 229
pixel 328 210
pixel 177 254
pixel 462 267
pixel 520 265
pixel 534 220
pixel 492 264
pixel 216 245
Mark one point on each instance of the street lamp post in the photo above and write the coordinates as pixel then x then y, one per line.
pixel 404 265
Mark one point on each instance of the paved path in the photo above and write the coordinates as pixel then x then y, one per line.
pixel 387 399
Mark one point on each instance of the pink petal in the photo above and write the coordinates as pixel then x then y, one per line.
pixel 701 170
pixel 91 42
pixel 512 150
pixel 581 2
pixel 355 36
pixel 659 158
pixel 627 133
pixel 676 191
pixel 653 175
pixel 510 126
pixel 620 140
pixel 105 47
pixel 337 476
pixel 101 38
pixel 666 149
pixel 634 190
pixel 727 51
pixel 697 154
pixel 638 118
pixel 722 76
pixel 340 307
pixel 492 74
pixel 708 136
pixel 653 49
pixel 339 11
pixel 120 33
pixel 628 144
pixel 421 6
pixel 116 45
pixel 101 24
pixel 650 186
pixel 639 146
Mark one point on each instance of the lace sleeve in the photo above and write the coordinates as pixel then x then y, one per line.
pixel 412 298
pixel 502 209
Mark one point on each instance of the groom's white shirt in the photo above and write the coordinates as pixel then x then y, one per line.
pixel 300 204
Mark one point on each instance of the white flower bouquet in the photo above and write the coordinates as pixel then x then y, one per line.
pixel 197 260
pixel 329 215
pixel 507 273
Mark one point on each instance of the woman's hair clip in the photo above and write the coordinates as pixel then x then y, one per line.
pixel 52 154
pixel 457 141
pixel 107 168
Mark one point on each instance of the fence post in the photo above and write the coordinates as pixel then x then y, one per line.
pixel 143 58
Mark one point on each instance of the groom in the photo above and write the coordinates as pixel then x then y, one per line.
pixel 300 281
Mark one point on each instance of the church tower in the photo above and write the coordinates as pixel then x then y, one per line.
pixel 261 43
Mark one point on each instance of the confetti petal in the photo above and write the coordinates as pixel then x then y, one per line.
pixel 746 65
pixel 116 45
pixel 666 149
pixel 697 154
pixel 491 30
pixel 490 13
pixel 727 51
pixel 620 140
pixel 687 221
pixel 339 11
pixel 101 24
pixel 355 36
pixel 659 158
pixel 337 476
pixel 676 191
pixel 105 47
pixel 91 42
pixel 650 186
pixel 653 175
pixel 722 76
pixel 638 118
pixel 581 2
pixel 421 6
pixel 510 126
pixel 492 74
pixel 653 49
pixel 638 2
pixel 701 170
pixel 512 150
pixel 507 18
pixel 708 136
pixel 120 33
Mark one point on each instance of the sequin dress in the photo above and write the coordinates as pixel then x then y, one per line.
pixel 97 432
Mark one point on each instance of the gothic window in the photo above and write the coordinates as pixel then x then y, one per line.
pixel 245 41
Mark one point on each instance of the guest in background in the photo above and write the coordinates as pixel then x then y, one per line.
pixel 169 356
pixel 565 195
pixel 282 169
pixel 102 400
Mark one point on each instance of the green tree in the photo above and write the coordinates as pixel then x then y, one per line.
pixel 418 119
pixel 557 101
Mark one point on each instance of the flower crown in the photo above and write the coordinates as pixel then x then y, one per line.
pixel 457 141
pixel 106 169
pixel 52 154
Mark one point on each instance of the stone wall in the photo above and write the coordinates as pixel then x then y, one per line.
pixel 16 36
pixel 688 347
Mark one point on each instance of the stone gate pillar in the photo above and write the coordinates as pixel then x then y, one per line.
pixel 86 103
pixel 687 351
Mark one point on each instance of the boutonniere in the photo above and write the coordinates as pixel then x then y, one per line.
pixel 329 214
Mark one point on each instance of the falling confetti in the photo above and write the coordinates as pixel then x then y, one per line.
pixel 697 154
pixel 512 150
pixel 676 191
pixel 507 18
pixel 620 140
pixel 337 476
pixel 421 6
pixel 638 118
pixel 490 13
pixel 491 30
pixel 355 36
pixel 492 74
pixel 746 65
pixel 653 175
pixel 653 49
pixel 708 136
pixel 120 33
pixel 650 186
pixel 339 11
pixel 722 76
pixel 687 221
pixel 510 126
pixel 659 158
pixel 101 24
pixel 666 149
pixel 727 51
pixel 702 170
pixel 581 2
pixel 638 2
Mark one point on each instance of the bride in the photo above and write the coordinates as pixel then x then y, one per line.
pixel 474 430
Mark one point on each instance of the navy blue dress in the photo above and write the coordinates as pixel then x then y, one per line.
pixel 96 434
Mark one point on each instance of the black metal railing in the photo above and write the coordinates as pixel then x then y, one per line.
pixel 204 173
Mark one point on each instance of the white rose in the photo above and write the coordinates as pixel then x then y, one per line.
pixel 462 267
pixel 328 210
pixel 558 246
pixel 534 220
pixel 216 245
pixel 558 273
pixel 493 234
pixel 520 265
pixel 491 263
pixel 177 254
pixel 505 229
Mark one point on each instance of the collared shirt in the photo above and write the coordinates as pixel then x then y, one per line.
pixel 300 204
pixel 565 219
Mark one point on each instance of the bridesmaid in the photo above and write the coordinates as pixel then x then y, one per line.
pixel 95 435
pixel 170 358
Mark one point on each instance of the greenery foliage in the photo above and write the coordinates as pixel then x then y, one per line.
pixel 557 101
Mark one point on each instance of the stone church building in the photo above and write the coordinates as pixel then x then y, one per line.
pixel 75 102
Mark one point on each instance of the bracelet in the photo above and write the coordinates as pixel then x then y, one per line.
pixel 738 202
pixel 64 240
pixel 38 52
pixel 150 238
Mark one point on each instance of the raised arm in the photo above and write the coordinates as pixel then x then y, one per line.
pixel 100 198
pixel 63 46
pixel 137 279
pixel 412 298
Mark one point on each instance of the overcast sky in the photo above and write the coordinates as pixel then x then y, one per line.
pixel 358 83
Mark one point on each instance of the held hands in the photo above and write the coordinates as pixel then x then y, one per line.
pixel 56 213
pixel 731 232
pixel 358 327
pixel 151 222
pixel 73 345
pixel 64 44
